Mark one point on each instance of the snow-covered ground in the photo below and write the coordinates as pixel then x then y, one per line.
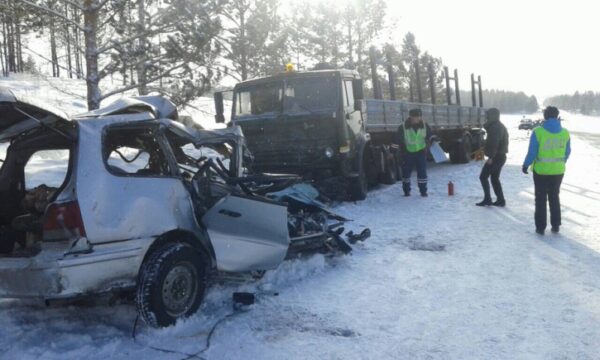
pixel 439 279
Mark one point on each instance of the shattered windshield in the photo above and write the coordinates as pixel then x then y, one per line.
pixel 190 158
pixel 310 94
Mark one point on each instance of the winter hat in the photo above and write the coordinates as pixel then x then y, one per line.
pixel 492 114
pixel 416 112
pixel 551 112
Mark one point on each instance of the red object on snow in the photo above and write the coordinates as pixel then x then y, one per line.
pixel 450 188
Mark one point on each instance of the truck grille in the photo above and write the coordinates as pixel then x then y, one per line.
pixel 290 145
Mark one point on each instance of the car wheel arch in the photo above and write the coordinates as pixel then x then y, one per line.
pixel 201 242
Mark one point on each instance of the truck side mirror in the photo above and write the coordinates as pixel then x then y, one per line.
pixel 358 105
pixel 219 108
pixel 357 89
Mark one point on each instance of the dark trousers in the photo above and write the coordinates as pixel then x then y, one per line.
pixel 547 188
pixel 412 160
pixel 493 171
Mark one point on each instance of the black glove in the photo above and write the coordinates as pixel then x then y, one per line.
pixel 524 169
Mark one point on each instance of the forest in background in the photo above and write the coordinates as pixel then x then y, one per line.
pixel 586 103
pixel 184 48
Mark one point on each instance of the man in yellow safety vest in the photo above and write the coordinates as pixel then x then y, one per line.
pixel 414 136
pixel 549 149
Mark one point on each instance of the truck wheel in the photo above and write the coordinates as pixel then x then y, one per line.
pixel 462 150
pixel 373 160
pixel 398 159
pixel 360 185
pixel 171 284
pixel 477 140
pixel 390 175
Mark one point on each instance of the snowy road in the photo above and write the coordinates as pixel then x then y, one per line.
pixel 493 289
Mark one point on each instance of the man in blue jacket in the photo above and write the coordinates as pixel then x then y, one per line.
pixel 549 149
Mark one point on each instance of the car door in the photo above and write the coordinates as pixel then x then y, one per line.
pixel 247 234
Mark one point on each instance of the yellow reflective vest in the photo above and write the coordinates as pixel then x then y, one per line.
pixel 415 139
pixel 552 151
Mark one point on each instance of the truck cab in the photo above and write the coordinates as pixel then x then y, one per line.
pixel 307 123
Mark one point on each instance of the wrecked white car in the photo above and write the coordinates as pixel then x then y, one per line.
pixel 127 198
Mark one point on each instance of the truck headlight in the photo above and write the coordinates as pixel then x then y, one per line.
pixel 329 153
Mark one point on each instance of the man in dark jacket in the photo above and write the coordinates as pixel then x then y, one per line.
pixel 549 150
pixel 495 148
pixel 414 137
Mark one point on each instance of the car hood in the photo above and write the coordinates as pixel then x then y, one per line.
pixel 20 113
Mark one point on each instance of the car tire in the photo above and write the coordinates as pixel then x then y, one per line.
pixel 171 284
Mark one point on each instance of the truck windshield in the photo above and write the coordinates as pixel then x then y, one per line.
pixel 310 94
pixel 300 95
pixel 258 100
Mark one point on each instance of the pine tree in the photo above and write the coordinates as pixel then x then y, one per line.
pixel 184 57
pixel 250 30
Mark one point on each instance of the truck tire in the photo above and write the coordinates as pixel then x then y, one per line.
pixel 359 186
pixel 462 150
pixel 171 284
pixel 477 141
pixel 390 172
pixel 373 161
pixel 398 159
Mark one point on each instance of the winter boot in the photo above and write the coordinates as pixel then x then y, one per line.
pixel 555 229
pixel 501 203
pixel 485 202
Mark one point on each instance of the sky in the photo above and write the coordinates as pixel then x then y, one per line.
pixel 541 48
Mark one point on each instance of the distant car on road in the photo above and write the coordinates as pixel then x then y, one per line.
pixel 526 124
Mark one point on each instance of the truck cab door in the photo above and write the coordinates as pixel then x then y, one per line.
pixel 353 116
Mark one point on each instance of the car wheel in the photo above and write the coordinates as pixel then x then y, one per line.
pixel 171 284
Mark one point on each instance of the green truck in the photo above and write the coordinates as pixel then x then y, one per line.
pixel 318 124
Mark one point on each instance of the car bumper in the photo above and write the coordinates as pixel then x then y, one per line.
pixel 52 274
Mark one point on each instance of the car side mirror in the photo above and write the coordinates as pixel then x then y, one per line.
pixel 219 108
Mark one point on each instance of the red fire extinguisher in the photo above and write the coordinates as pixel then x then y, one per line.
pixel 450 188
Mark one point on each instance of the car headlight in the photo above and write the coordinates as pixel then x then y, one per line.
pixel 329 153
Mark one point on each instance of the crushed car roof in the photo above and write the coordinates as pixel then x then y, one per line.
pixel 159 106
pixel 9 96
